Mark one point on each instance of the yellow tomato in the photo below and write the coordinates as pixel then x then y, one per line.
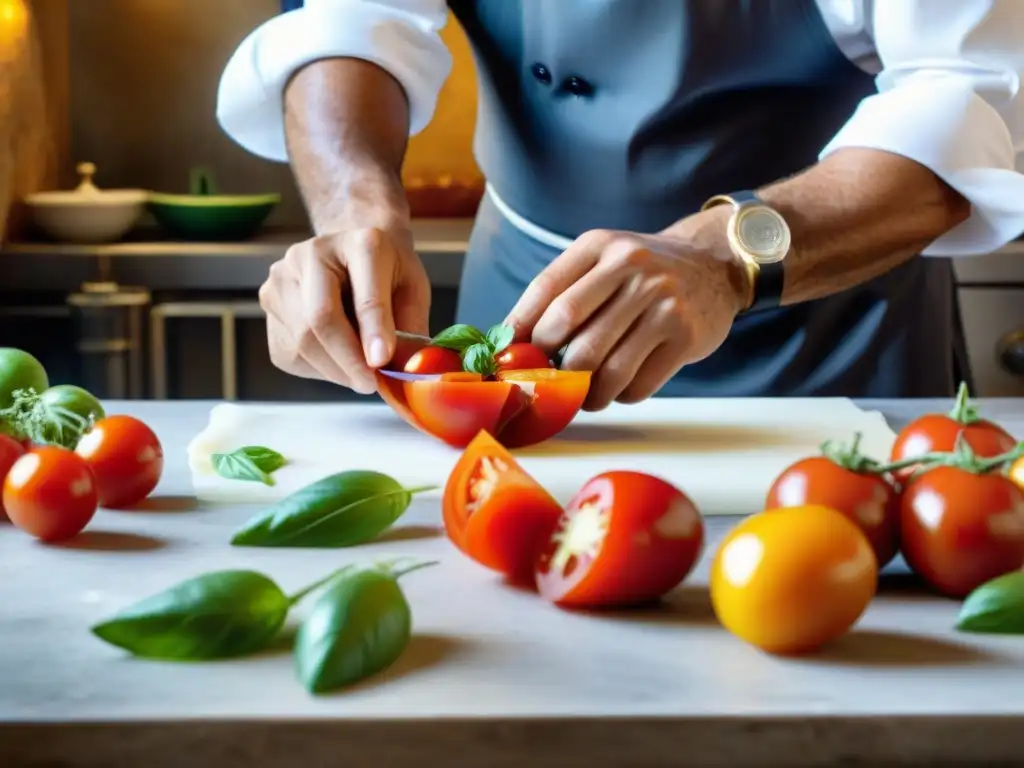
pixel 1017 472
pixel 791 580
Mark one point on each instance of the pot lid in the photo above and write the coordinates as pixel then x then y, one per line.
pixel 87 193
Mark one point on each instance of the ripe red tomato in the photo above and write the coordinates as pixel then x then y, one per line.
pixel 126 457
pixel 495 512
pixel 10 451
pixel 521 355
pixel 626 538
pixel 868 499
pixel 938 432
pixel 50 493
pixel 433 360
pixel 519 408
pixel 959 529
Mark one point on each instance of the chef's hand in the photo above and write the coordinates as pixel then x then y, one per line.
pixel 632 308
pixel 307 327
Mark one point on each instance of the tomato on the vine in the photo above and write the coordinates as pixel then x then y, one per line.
pixel 522 355
pixel 433 360
pixel 50 493
pixel 126 457
pixel 10 451
pixel 847 481
pixel 938 432
pixel 495 512
pixel 788 580
pixel 625 538
pixel 961 526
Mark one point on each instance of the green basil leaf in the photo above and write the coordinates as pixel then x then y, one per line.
pixel 996 607
pixel 479 358
pixel 458 337
pixel 500 336
pixel 359 626
pixel 341 510
pixel 253 463
pixel 217 615
pixel 266 459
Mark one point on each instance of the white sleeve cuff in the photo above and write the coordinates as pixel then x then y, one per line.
pixel 405 43
pixel 939 121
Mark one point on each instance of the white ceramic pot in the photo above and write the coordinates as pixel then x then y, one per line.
pixel 87 214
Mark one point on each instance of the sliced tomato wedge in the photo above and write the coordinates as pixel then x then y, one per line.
pixel 519 408
pixel 495 512
pixel 626 538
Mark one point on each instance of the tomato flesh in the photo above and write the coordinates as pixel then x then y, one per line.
pixel 521 355
pixel 959 529
pixel 626 538
pixel 126 457
pixel 938 432
pixel 788 580
pixel 50 493
pixel 495 512
pixel 869 500
pixel 519 408
pixel 10 451
pixel 434 360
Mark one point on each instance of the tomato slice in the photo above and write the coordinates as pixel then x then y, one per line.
pixel 520 408
pixel 495 512
pixel 626 538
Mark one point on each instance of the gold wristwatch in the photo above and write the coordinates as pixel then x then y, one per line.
pixel 759 236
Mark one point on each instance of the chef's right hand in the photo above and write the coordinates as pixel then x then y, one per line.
pixel 307 328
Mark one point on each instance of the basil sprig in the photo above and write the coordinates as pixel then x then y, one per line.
pixel 478 350
pixel 217 615
pixel 253 463
pixel 359 626
pixel 340 510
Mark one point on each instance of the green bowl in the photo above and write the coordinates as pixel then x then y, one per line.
pixel 212 217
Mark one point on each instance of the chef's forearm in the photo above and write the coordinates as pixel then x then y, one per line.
pixel 347 127
pixel 854 216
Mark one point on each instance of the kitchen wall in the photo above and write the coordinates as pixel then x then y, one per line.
pixel 143 94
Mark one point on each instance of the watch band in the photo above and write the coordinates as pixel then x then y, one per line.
pixel 768 279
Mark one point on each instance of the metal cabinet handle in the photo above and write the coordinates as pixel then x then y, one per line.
pixel 1010 351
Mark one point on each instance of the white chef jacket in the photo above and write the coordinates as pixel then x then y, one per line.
pixel 948 72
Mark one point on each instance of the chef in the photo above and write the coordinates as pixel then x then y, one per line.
pixel 691 197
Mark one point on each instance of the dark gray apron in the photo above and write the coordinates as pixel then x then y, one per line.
pixel 629 114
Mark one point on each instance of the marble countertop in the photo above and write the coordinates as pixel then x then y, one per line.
pixel 493 677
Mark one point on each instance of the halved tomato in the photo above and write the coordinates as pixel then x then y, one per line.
pixel 626 538
pixel 495 512
pixel 519 408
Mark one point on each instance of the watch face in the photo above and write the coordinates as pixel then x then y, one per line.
pixel 763 233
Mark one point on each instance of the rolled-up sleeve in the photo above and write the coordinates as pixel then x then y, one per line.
pixel 950 98
pixel 400 36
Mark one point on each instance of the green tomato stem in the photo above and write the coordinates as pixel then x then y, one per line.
pixel 961 457
pixel 963 412
pixel 849 456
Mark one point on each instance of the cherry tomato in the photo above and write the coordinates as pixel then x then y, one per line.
pixel 10 451
pixel 434 360
pixel 843 481
pixel 959 529
pixel 519 408
pixel 938 432
pixel 789 580
pixel 626 538
pixel 50 493
pixel 495 512
pixel 520 356
pixel 126 458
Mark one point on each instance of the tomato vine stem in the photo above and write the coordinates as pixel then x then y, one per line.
pixel 848 456
pixel 963 411
pixel 961 457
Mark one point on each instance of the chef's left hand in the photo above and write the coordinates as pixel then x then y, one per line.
pixel 632 308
